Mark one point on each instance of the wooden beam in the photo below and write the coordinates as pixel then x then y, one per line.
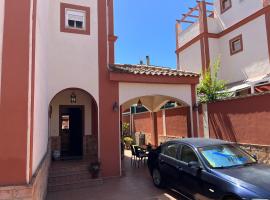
pixel 194 16
pixel 207 3
pixel 186 21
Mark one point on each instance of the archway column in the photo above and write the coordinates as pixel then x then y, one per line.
pixel 154 129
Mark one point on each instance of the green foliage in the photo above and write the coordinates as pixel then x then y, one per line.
pixel 125 128
pixel 210 87
pixel 128 141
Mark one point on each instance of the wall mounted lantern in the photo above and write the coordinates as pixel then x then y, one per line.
pixel 115 107
pixel 139 104
pixel 196 106
pixel 73 98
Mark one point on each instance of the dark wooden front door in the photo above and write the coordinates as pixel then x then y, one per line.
pixel 71 131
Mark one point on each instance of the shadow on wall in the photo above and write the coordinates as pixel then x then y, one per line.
pixel 243 120
pixel 222 127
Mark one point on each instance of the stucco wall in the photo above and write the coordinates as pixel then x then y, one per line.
pixel 189 33
pixel 73 58
pixel 242 120
pixel 240 9
pixel 128 91
pixel 190 58
pixel 177 121
pixel 40 131
pixel 253 60
pixel 63 98
pixel 2 5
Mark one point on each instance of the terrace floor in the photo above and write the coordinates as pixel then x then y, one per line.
pixel 136 184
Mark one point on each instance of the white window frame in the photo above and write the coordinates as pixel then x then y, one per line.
pixel 78 13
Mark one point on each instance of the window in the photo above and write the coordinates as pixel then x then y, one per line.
pixel 75 19
pixel 236 45
pixel 188 155
pixel 225 5
pixel 65 123
pixel 170 150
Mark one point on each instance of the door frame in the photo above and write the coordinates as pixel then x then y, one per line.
pixel 82 107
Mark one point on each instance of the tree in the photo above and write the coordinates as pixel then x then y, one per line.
pixel 211 88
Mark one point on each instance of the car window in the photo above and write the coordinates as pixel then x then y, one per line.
pixel 170 150
pixel 188 155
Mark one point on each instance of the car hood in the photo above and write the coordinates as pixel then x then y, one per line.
pixel 255 177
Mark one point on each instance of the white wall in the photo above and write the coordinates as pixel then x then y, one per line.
pixel 240 9
pixel 63 98
pixel 2 5
pixel 128 91
pixel 40 134
pixel 190 58
pixel 253 61
pixel 188 34
pixel 73 58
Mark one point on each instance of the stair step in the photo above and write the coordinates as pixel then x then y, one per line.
pixel 69 178
pixel 75 185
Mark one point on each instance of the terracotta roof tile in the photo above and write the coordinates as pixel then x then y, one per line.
pixel 150 70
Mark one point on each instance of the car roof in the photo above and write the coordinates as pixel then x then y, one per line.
pixel 201 142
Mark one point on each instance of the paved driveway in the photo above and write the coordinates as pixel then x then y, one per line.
pixel 135 185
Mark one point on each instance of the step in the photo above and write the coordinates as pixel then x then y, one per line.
pixel 75 185
pixel 69 178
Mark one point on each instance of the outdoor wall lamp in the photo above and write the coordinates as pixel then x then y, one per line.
pixel 139 104
pixel 73 98
pixel 115 107
pixel 196 106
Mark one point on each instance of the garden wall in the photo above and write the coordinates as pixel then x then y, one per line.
pixel 244 120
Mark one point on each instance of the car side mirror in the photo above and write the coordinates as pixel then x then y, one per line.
pixel 194 164
pixel 194 167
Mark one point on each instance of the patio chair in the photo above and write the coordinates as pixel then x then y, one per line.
pixel 133 154
pixel 141 155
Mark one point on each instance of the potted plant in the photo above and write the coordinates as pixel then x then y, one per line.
pixel 94 169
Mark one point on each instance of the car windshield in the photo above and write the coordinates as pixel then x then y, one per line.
pixel 225 156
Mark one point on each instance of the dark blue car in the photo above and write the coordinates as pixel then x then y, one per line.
pixel 209 169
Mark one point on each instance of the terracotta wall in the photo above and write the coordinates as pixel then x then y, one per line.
pixel 245 120
pixel 126 119
pixel 176 122
pixel 143 122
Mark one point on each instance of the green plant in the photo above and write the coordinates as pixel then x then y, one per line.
pixel 128 141
pixel 125 128
pixel 211 88
pixel 94 169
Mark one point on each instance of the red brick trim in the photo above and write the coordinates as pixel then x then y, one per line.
pixel 232 51
pixel 63 28
pixel 267 24
pixel 133 78
pixel 223 10
pixel 109 127
pixel 14 93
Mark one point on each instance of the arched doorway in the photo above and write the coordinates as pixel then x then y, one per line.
pixel 73 125
pixel 158 118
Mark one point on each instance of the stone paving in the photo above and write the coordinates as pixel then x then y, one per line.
pixel 135 185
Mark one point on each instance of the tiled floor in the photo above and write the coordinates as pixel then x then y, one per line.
pixel 136 185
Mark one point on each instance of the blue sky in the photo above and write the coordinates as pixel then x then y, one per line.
pixel 147 27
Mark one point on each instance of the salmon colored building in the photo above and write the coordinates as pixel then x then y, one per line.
pixel 61 93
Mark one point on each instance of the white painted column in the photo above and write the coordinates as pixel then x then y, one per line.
pixel 205 121
pixel 164 122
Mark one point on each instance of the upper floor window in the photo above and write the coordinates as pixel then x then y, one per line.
pixel 75 19
pixel 236 45
pixel 225 5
